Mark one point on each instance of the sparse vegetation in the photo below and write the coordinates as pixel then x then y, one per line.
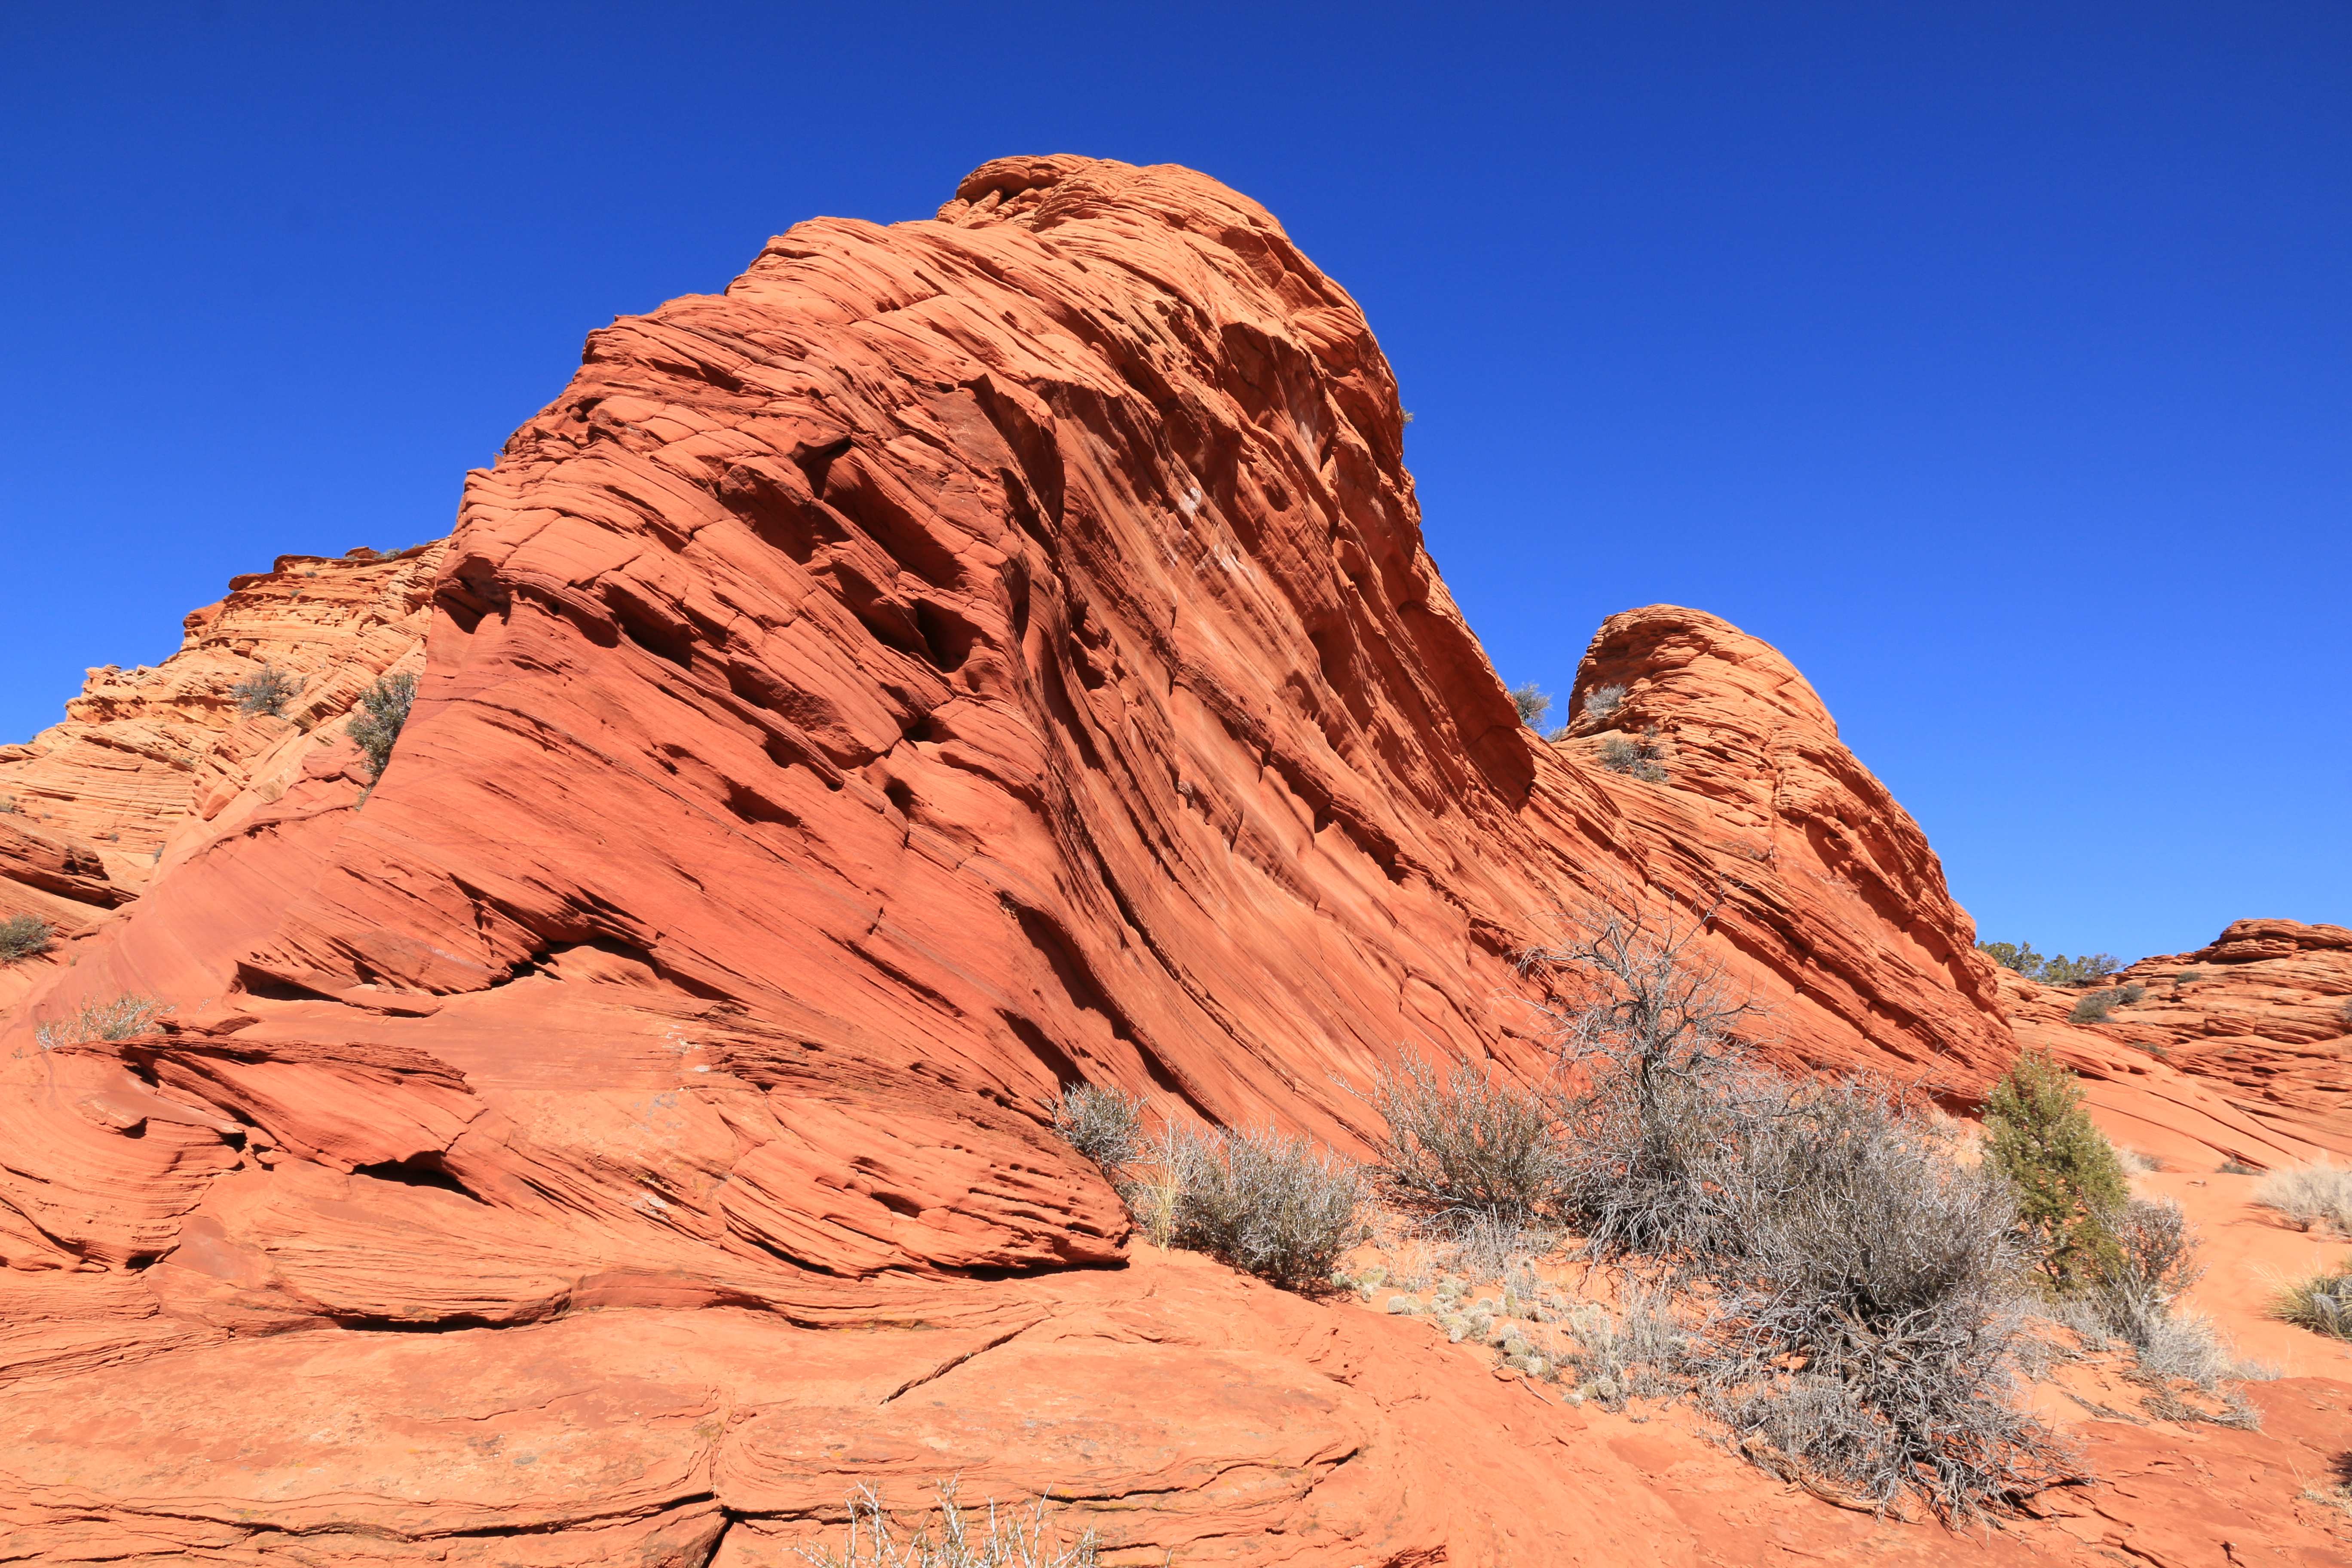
pixel 2311 1197
pixel 1862 1329
pixel 378 729
pixel 1602 701
pixel 1270 1206
pixel 22 936
pixel 121 1017
pixel 2067 1181
pixel 2135 1163
pixel 2344 1014
pixel 954 1537
pixel 1103 1124
pixel 8 807
pixel 1532 704
pixel 1637 756
pixel 265 691
pixel 1467 1146
pixel 2020 956
pixel 2322 1302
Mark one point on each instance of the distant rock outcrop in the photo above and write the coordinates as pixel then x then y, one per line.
pixel 964 657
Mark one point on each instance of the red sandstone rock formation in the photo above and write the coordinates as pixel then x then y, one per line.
pixel 965 656
pixel 2241 1050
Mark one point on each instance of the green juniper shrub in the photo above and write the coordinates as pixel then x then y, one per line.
pixel 2068 1183
pixel 2017 955
pixel 375 731
pixel 2087 970
pixel 23 936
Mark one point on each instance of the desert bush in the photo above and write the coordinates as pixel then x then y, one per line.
pixel 2092 1009
pixel 1602 701
pixel 121 1017
pixel 1470 1143
pixel 378 729
pixel 2135 1163
pixel 1865 1324
pixel 2152 1260
pixel 1492 1245
pixel 2321 1302
pixel 265 691
pixel 955 1538
pixel 8 807
pixel 1103 1124
pixel 1656 1035
pixel 1269 1206
pixel 2313 1198
pixel 2021 957
pixel 2066 1180
pixel 1531 702
pixel 1636 757
pixel 1641 1349
pixel 23 936
pixel 2344 1014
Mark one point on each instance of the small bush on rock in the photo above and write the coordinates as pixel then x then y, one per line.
pixel 955 1538
pixel 119 1018
pixel 23 936
pixel 1269 1206
pixel 1602 701
pixel 1636 758
pixel 265 691
pixel 1531 702
pixel 2093 1008
pixel 1103 1124
pixel 1466 1145
pixel 377 729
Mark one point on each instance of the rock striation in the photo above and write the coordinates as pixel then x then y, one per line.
pixel 966 658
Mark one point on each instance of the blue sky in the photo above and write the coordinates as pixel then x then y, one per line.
pixel 1993 360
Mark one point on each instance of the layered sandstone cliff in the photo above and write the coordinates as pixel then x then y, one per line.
pixel 965 657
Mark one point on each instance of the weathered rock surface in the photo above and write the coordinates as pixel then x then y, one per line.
pixel 964 657
pixel 2239 1051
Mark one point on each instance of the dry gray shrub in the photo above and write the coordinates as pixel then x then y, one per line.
pixel 1638 1350
pixel 1602 701
pixel 2317 1197
pixel 1656 1032
pixel 1641 758
pixel 23 936
pixel 377 729
pixel 119 1018
pixel 1531 702
pixel 2321 1302
pixel 1496 1246
pixel 1866 1327
pixel 1273 1207
pixel 265 691
pixel 2136 1163
pixel 1466 1146
pixel 1103 1124
pixel 954 1538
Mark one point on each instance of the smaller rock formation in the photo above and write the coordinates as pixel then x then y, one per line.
pixel 2241 1050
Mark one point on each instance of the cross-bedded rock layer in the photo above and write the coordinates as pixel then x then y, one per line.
pixel 965 657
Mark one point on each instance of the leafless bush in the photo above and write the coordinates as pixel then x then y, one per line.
pixel 1865 1324
pixel 2136 1163
pixel 1655 1034
pixel 954 1538
pixel 23 936
pixel 1270 1206
pixel 1531 702
pixel 119 1018
pixel 2343 1013
pixel 265 691
pixel 2313 1198
pixel 1103 1124
pixel 1641 758
pixel 1466 1145
pixel 1492 1245
pixel 1602 701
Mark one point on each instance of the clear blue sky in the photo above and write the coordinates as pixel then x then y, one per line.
pixel 1994 360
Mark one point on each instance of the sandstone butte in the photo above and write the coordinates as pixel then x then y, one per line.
pixel 966 656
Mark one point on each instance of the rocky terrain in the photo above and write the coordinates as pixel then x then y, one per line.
pixel 966 658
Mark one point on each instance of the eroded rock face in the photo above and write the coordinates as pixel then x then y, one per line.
pixel 2239 1051
pixel 965 657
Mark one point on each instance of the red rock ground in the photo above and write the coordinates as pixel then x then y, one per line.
pixel 965 656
